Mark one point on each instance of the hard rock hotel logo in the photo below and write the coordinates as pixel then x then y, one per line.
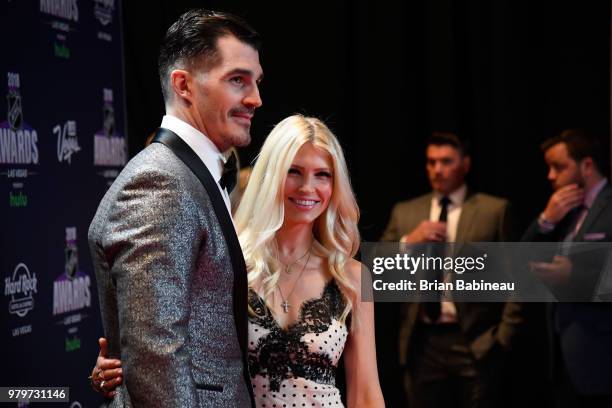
pixel 20 287
pixel 109 147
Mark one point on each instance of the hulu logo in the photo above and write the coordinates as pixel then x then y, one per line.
pixel 61 50
pixel 73 344
pixel 18 200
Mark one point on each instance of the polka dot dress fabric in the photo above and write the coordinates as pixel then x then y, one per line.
pixel 296 366
pixel 295 392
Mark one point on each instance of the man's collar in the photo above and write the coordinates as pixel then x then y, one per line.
pixel 206 150
pixel 457 197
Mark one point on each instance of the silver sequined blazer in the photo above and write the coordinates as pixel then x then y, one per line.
pixel 165 282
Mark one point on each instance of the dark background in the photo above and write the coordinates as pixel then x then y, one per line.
pixel 383 75
pixel 59 346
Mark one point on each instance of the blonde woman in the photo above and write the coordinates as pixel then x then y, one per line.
pixel 297 224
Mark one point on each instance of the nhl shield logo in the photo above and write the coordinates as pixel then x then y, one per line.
pixel 15 115
pixel 72 261
pixel 109 119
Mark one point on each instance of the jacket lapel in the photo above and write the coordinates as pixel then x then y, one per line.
pixel 420 213
pixel 240 290
pixel 467 217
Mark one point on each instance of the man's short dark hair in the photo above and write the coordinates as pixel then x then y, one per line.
pixel 449 138
pixel 192 41
pixel 579 146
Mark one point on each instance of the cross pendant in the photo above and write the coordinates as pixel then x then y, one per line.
pixel 285 305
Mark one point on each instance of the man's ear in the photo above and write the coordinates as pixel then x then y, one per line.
pixel 181 83
pixel 587 165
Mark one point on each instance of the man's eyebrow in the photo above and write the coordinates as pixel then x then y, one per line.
pixel 244 72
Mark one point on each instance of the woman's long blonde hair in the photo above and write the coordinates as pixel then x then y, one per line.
pixel 261 212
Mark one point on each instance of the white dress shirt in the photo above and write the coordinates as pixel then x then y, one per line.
pixel 448 309
pixel 203 147
pixel 457 198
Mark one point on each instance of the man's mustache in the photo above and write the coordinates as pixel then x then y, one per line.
pixel 241 111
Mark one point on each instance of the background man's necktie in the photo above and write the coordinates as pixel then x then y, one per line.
pixel 432 309
pixel 579 214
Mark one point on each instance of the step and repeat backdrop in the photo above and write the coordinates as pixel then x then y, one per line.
pixel 62 143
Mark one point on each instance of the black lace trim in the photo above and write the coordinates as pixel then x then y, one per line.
pixel 282 354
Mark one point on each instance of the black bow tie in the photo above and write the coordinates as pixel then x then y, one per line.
pixel 230 172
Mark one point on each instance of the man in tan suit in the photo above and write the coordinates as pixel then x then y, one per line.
pixel 452 352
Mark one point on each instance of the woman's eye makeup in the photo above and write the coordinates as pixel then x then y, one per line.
pixel 321 173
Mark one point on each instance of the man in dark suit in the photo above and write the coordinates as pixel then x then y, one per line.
pixel 170 272
pixel 452 355
pixel 579 210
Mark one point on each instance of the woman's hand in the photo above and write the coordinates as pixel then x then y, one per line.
pixel 106 376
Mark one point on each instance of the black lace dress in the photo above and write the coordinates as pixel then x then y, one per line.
pixel 296 366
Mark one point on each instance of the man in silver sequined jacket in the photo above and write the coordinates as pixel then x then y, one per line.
pixel 170 273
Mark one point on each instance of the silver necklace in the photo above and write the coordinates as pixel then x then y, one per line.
pixel 287 268
pixel 285 304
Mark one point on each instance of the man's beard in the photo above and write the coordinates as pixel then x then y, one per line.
pixel 241 140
